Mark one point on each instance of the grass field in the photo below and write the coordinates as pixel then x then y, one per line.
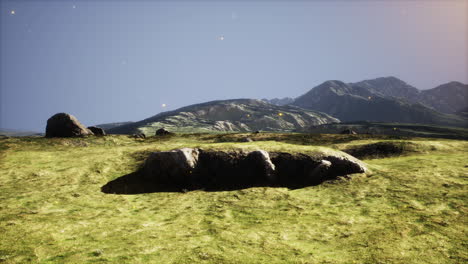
pixel 410 208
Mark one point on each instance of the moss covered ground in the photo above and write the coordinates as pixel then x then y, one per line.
pixel 410 208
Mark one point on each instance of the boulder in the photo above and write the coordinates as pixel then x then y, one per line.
pixel 246 139
pixel 162 132
pixel 348 132
pixel 97 131
pixel 65 125
pixel 171 167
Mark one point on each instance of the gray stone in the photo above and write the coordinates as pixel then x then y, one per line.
pixel 65 125
pixel 97 131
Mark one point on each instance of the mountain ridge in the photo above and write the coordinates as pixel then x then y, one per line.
pixel 385 99
pixel 234 115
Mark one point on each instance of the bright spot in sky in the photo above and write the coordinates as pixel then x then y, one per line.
pixel 233 16
pixel 163 105
pixel 12 12
pixel 370 97
pixel 221 38
pixel 280 114
pixel 74 6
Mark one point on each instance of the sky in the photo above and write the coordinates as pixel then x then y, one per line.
pixel 109 61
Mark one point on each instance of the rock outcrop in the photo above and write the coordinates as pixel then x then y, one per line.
pixel 162 132
pixel 196 169
pixel 65 125
pixel 97 131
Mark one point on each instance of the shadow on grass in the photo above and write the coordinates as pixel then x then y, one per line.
pixel 135 183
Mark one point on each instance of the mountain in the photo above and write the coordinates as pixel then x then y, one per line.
pixel 112 125
pixel 373 100
pixel 463 112
pixel 280 101
pixel 447 98
pixel 390 87
pixel 228 115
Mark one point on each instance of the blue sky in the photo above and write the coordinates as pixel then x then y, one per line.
pixel 110 61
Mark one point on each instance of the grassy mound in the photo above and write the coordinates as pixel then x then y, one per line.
pixel 411 209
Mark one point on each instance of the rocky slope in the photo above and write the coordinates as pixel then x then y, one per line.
pixel 383 100
pixel 226 116
pixel 447 98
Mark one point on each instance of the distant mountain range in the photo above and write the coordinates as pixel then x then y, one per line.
pixel 228 115
pixel 108 126
pixel 388 100
pixel 385 99
pixel 18 133
pixel 279 101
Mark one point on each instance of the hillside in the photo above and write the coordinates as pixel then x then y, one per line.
pixel 393 129
pixel 409 209
pixel 228 116
pixel 112 125
pixel 371 102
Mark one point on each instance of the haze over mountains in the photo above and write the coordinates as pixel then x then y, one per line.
pixel 386 99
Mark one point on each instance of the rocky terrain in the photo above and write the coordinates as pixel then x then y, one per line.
pixel 228 116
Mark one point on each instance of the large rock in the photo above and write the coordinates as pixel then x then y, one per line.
pixel 97 131
pixel 65 125
pixel 196 168
pixel 171 167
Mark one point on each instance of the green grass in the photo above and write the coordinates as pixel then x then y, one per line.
pixel 409 209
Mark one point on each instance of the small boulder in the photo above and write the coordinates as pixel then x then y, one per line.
pixel 162 132
pixel 348 132
pixel 97 131
pixel 65 125
pixel 246 139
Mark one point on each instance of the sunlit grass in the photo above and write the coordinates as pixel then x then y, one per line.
pixel 410 209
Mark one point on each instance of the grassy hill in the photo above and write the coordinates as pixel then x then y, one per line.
pixel 410 208
pixel 394 129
